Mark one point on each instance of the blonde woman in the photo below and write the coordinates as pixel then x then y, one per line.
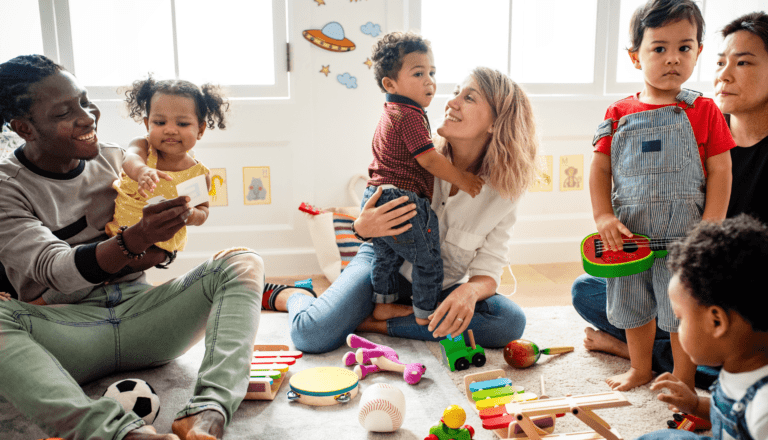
pixel 488 130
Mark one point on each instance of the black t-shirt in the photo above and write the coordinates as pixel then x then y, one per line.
pixel 750 181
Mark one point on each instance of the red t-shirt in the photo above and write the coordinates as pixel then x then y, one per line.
pixel 402 135
pixel 709 127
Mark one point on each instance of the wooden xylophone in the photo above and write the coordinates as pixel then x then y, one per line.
pixel 269 366
pixel 511 414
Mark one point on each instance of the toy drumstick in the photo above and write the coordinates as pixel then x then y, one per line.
pixel 543 391
pixel 522 354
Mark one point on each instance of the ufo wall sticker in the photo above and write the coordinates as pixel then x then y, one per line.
pixel 330 37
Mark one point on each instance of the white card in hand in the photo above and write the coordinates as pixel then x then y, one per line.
pixel 196 188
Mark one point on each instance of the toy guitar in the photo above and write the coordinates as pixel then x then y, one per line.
pixel 637 255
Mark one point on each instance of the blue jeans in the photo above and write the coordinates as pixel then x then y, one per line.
pixel 419 245
pixel 672 434
pixel 320 325
pixel 589 298
pixel 46 351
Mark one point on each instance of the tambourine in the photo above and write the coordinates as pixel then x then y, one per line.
pixel 323 386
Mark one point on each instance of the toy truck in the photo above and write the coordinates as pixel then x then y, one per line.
pixel 458 355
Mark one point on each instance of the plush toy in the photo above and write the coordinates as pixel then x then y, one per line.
pixel 372 358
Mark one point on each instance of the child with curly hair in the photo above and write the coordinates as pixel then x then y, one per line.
pixel 176 114
pixel 404 165
pixel 715 271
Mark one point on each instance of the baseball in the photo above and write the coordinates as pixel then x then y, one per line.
pixel 382 408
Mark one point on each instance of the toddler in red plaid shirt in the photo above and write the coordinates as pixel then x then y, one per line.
pixel 405 163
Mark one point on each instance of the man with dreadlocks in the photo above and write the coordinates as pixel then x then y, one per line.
pixel 56 197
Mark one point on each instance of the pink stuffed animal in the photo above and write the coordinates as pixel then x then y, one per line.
pixel 373 358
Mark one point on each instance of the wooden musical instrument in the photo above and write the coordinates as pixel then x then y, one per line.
pixel 637 255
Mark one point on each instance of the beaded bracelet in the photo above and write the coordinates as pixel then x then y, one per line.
pixel 358 236
pixel 125 250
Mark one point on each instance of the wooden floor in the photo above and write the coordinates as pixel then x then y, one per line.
pixel 537 284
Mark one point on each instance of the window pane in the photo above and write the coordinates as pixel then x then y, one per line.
pixel 716 15
pixel 625 71
pixel 116 42
pixel 229 44
pixel 20 32
pixel 465 35
pixel 552 47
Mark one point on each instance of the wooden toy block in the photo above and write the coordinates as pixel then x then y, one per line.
pixel 269 368
pixel 275 360
pixel 283 368
pixel 534 419
pixel 486 384
pixel 491 393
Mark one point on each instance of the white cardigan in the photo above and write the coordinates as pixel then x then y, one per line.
pixel 474 233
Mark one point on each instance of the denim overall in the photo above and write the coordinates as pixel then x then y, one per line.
pixel 728 416
pixel 658 191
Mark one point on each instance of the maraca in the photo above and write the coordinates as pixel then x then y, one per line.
pixel 522 354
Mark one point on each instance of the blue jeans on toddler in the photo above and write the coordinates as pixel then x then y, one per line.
pixel 419 245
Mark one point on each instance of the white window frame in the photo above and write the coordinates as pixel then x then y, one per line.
pixel 596 87
pixel 57 45
pixel 607 57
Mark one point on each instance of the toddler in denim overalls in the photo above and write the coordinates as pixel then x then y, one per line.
pixel 721 325
pixel 648 175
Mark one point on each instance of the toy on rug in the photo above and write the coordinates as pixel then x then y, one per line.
pixel 525 419
pixel 269 366
pixel 687 422
pixel 522 354
pixel 457 355
pixel 372 358
pixel 382 408
pixel 323 386
pixel 451 426
pixel 135 395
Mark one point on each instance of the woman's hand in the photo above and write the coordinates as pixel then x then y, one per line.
pixel 382 221
pixel 456 312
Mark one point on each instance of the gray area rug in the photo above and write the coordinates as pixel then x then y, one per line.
pixel 579 372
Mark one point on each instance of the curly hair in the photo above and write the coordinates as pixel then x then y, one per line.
pixel 658 13
pixel 722 265
pixel 508 163
pixel 755 22
pixel 17 76
pixel 210 103
pixel 389 51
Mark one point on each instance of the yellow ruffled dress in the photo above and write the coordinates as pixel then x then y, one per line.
pixel 129 203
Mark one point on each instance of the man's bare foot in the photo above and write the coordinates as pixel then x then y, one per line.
pixel 147 432
pixel 281 300
pixel 631 379
pixel 382 312
pixel 597 340
pixel 205 425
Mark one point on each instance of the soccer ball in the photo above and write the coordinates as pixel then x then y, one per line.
pixel 136 395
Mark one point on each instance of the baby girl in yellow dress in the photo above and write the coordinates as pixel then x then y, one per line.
pixel 176 114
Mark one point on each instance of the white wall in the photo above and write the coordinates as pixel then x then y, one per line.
pixel 317 139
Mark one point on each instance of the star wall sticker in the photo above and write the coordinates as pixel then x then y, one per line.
pixel 326 69
pixel 320 2
pixel 368 62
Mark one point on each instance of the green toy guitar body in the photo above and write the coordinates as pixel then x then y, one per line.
pixel 637 255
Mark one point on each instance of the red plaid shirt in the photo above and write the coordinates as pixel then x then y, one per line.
pixel 402 135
